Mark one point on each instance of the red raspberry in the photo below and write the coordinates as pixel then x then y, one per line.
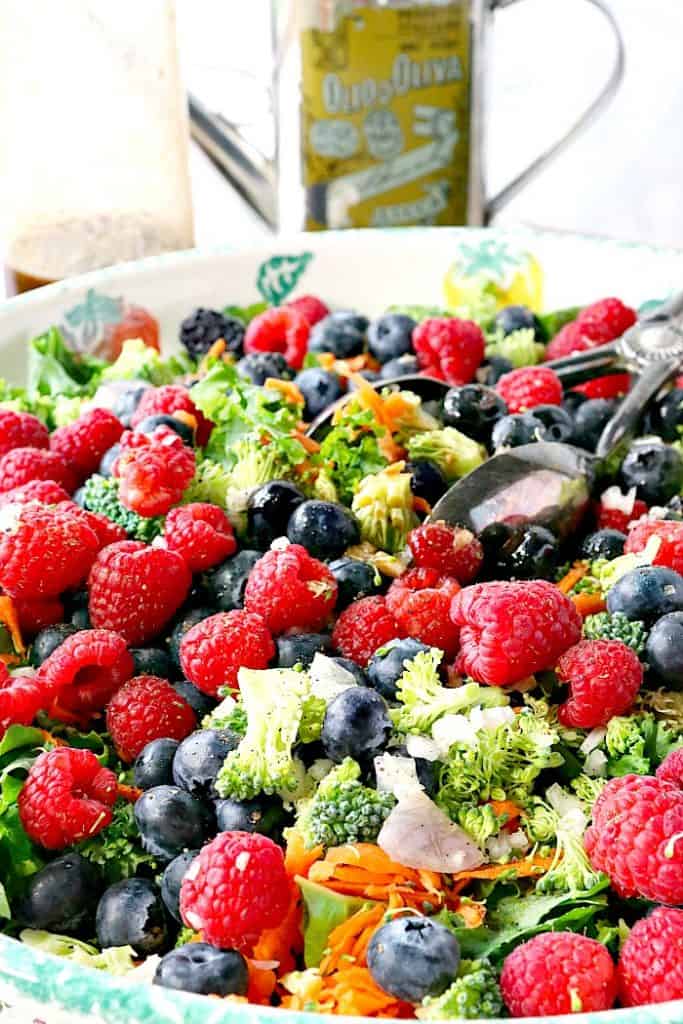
pixel 449 349
pixel 153 471
pixel 67 797
pixel 87 669
pixel 24 465
pixel 612 386
pixel 420 602
pixel 558 972
pixel 606 320
pixel 650 966
pixel 282 329
pixel 528 387
pixel 136 589
pixel 47 492
pixel 616 511
pixel 604 678
pixel 147 708
pixel 671 768
pixel 637 838
pixel 201 534
pixel 235 889
pixel 291 590
pixel 363 627
pixel 453 550
pixel 107 532
pixel 45 552
pixel 21 430
pixel 311 308
pixel 569 339
pixel 21 698
pixel 84 442
pixel 213 651
pixel 670 535
pixel 508 631
pixel 170 400
pixel 137 322
pixel 35 615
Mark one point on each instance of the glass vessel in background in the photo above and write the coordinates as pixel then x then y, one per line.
pixel 93 137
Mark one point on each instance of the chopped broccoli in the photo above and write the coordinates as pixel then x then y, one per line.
pixel 264 762
pixel 116 960
pixel 343 810
pixel 350 451
pixel 383 506
pixel 474 995
pixel 637 744
pixel 419 313
pixel 604 626
pixel 588 789
pixel 138 360
pixel 519 347
pixel 480 821
pixel 256 463
pixel 604 573
pixel 116 850
pixel 229 714
pixel 423 700
pixel 185 935
pixel 454 453
pixel 209 484
pixel 102 495
pixel 68 410
pixel 411 418
pixel 561 818
pixel 312 716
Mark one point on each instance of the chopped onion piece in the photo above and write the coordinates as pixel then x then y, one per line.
pixel 396 775
pixel 329 679
pixel 593 739
pixel 418 834
pixel 421 746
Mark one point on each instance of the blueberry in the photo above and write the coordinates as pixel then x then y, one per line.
pixel 48 640
pixel 391 336
pixel 265 815
pixel 172 879
pixel 556 423
pixel 426 480
pixel 200 757
pixel 259 366
pixel 647 593
pixel 342 333
pixel 170 821
pixel 204 969
pixel 654 469
pixel 80 618
pixel 474 410
pixel 152 423
pixel 664 649
pixel 531 552
pixel 61 897
pixel 666 418
pixel 203 327
pixel 182 626
pixel 603 544
pixel 268 511
pixel 514 430
pixel 413 957
pixel 128 400
pixel 674 508
pixel 154 764
pixel 387 665
pixel 301 648
pixel 492 369
pixel 130 913
pixel 152 661
pixel 78 497
pixel 356 725
pixel 225 584
pixel 108 459
pixel 573 400
pixel 324 528
pixel 354 579
pixel 319 388
pixel 355 670
pixel 404 366
pixel 201 703
pixel 590 420
pixel 517 318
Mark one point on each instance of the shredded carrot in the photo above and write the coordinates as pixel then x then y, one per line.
pixel 522 868
pixel 285 941
pixel 287 389
pixel 589 604
pixel 420 505
pixel 507 807
pixel 52 740
pixel 306 442
pixel 217 349
pixel 351 992
pixel 185 417
pixel 326 360
pixel 364 870
pixel 261 984
pixel 471 912
pixel 347 939
pixel 129 793
pixel 371 399
pixel 298 858
pixel 570 579
pixel 9 618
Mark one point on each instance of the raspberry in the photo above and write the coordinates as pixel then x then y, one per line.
pixel 235 889
pixel 87 669
pixel 291 590
pixel 282 329
pixel 35 615
pixel 24 465
pixel 363 627
pixel 606 320
pixel 604 678
pixel 637 838
pixel 616 511
pixel 558 972
pixel 137 322
pixel 612 386
pixel 170 400
pixel 47 492
pixel 671 768
pixel 528 387
pixel 508 631
pixel 449 349
pixel 84 442
pixel 153 471
pixel 136 589
pixel 45 551
pixel 311 308
pixel 213 651
pixel 670 535
pixel 21 698
pixel 201 534
pixel 569 339
pixel 67 797
pixel 147 708
pixel 107 532
pixel 420 602
pixel 650 968
pixel 453 550
pixel 21 430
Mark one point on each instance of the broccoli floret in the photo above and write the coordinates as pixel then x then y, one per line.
pixel 255 463
pixel 409 416
pixel 350 452
pixel 138 360
pixel 604 626
pixel 454 453
pixel 480 821
pixel 474 995
pixel 102 495
pixel 68 410
pixel 561 818
pixel 519 347
pixel 210 484
pixel 383 506
pixel 423 700
pixel 312 716
pixel 263 762
pixel 343 810
pixel 229 714
pixel 637 744
pixel 588 789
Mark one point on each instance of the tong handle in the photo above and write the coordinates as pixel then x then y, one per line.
pixel 624 424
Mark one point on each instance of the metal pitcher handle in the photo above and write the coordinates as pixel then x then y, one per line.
pixel 497 202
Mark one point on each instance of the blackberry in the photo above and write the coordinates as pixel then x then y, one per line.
pixel 201 329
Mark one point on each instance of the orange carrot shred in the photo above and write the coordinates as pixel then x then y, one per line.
pixel 570 579
pixel 298 859
pixel 589 604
